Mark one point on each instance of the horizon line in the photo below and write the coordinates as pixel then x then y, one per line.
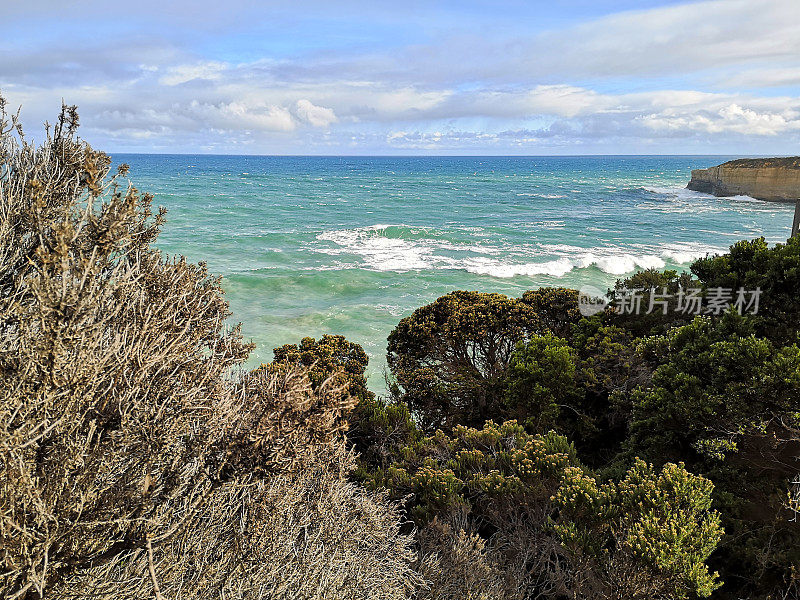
pixel 438 155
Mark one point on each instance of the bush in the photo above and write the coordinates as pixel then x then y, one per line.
pixel 650 286
pixel 459 565
pixel 726 402
pixel 331 356
pixel 306 534
pixel 556 307
pixel 449 358
pixel 644 537
pixel 541 381
pixel 134 461
pixel 775 271
pixel 550 523
pixel 379 430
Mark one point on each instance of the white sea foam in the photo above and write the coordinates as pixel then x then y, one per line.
pixel 615 263
pixel 380 249
pixel 684 253
pixel 543 196
pixel 548 224
pixel 392 309
pixel 496 268
pixel 685 200
pixel 377 251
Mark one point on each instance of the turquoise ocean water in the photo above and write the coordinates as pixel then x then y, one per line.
pixel 350 245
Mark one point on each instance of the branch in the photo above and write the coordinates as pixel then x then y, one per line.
pixel 156 589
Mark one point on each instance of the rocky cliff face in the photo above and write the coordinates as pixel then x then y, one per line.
pixel 763 178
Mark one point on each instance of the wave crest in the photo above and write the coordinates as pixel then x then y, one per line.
pixel 402 248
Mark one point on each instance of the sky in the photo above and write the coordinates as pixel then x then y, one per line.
pixel 462 77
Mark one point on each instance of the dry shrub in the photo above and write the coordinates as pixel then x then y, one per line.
pixel 459 565
pixel 133 462
pixel 308 534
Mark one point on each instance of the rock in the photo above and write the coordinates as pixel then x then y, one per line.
pixel 776 179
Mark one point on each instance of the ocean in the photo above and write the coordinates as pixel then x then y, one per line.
pixel 351 245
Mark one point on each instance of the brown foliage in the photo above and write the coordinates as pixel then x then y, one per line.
pixel 308 534
pixel 458 564
pixel 134 461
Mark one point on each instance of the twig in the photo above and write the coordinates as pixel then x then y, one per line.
pixel 156 589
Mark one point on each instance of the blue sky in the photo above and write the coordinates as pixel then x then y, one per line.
pixel 468 77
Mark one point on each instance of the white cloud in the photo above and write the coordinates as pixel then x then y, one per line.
pixel 763 78
pixel 566 101
pixel 681 39
pixel 316 116
pixel 596 82
pixel 400 102
pixel 731 118
pixel 208 70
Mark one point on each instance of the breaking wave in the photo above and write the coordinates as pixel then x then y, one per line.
pixel 400 248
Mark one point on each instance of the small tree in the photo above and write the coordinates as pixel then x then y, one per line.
pixel 644 537
pixel 331 356
pixel 557 308
pixel 541 381
pixel 450 357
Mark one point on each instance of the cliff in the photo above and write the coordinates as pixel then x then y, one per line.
pixel 775 179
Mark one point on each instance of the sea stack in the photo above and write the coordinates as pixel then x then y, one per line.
pixel 775 179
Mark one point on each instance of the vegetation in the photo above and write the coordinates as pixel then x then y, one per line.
pixel 775 271
pixel 541 381
pixel 331 356
pixel 552 528
pixel 450 356
pixel 525 451
pixel 710 401
pixel 134 461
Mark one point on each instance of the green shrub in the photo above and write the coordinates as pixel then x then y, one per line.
pixel 775 271
pixel 551 523
pixel 557 308
pixel 331 356
pixel 540 381
pixel 646 536
pixel 379 429
pixel 726 402
pixel 449 358
pixel 653 287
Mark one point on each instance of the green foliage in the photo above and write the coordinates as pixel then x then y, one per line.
pixel 474 467
pixel 776 271
pixel 378 431
pixel 711 381
pixel 541 379
pixel 449 358
pixel 331 356
pixel 725 402
pixel 647 536
pixel 718 393
pixel 649 285
pixel 607 356
pixel 557 308
pixel 608 369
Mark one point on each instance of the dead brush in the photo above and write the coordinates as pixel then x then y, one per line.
pixel 134 460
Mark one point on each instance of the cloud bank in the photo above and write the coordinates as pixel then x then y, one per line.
pixel 706 77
